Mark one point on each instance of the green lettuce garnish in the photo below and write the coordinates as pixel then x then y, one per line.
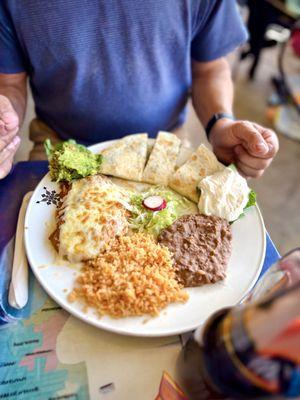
pixel 251 199
pixel 143 220
pixel 251 202
pixel 233 167
pixel 69 160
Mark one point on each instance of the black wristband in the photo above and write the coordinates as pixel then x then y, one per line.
pixel 216 118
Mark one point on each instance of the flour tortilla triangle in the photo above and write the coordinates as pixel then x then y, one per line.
pixel 200 164
pixel 162 160
pixel 126 158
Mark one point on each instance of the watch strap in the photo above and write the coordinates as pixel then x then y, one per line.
pixel 216 117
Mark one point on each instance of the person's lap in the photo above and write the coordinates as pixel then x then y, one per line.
pixel 39 132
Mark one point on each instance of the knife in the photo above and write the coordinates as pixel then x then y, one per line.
pixel 18 289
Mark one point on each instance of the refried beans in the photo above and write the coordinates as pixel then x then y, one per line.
pixel 201 248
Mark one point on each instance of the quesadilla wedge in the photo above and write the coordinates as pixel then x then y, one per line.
pixel 126 158
pixel 162 160
pixel 200 164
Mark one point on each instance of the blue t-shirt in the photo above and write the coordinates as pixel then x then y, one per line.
pixel 100 69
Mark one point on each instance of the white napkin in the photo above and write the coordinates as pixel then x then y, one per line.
pixel 18 289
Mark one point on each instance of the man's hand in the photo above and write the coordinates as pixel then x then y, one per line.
pixel 9 141
pixel 248 145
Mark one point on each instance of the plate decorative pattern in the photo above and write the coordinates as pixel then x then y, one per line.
pixel 49 197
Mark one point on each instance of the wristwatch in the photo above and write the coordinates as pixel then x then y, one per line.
pixel 216 118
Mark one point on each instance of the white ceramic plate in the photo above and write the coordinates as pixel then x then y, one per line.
pixel 58 279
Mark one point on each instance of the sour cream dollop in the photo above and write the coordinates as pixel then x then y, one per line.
pixel 223 194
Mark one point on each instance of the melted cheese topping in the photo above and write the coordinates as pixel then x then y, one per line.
pixel 94 212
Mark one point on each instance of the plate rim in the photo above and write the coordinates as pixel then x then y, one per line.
pixel 127 332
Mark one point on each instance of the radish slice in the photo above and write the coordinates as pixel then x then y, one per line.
pixel 155 203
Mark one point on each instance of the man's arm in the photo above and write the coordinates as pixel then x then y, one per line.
pixel 250 146
pixel 212 89
pixel 13 96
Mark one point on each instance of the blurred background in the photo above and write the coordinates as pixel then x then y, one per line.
pixel 266 73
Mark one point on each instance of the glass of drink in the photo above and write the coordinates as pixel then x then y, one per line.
pixel 251 351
